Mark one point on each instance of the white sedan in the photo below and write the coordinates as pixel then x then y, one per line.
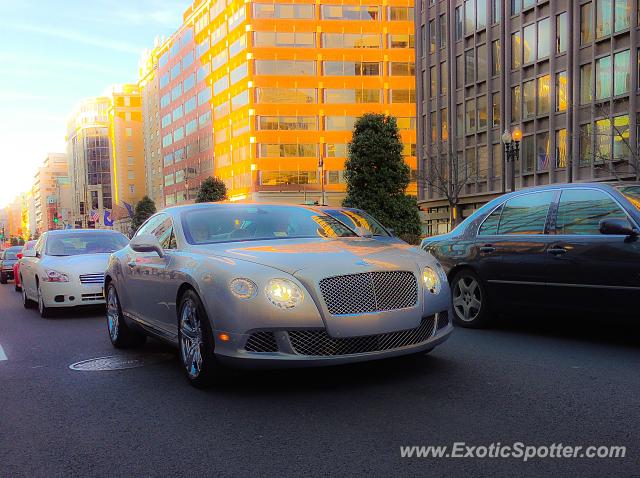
pixel 66 268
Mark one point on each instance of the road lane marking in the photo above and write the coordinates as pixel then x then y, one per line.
pixel 3 356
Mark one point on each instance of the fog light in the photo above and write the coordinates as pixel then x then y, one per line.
pixel 224 337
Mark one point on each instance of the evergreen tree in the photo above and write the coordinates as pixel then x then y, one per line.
pixel 212 190
pixel 377 176
pixel 144 209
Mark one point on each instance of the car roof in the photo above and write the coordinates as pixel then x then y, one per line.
pixel 604 185
pixel 62 232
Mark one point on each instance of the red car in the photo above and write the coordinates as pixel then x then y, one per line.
pixel 16 267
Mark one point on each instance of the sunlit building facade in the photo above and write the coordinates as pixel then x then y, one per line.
pixel 284 83
pixel 46 193
pixel 563 73
pixel 127 146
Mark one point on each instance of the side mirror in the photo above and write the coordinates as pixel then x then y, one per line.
pixel 362 232
pixel 28 253
pixel 391 231
pixel 146 243
pixel 19 255
pixel 617 227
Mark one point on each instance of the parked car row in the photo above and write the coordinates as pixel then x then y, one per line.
pixel 265 285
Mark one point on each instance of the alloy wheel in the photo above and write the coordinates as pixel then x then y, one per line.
pixel 467 298
pixel 113 314
pixel 40 302
pixel 191 338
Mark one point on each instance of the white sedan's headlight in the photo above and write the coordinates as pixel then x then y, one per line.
pixel 431 280
pixel 54 276
pixel 243 288
pixel 283 293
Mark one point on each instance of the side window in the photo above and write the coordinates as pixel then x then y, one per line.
pixel 164 233
pixel 40 246
pixel 581 210
pixel 150 225
pixel 526 214
pixel 490 224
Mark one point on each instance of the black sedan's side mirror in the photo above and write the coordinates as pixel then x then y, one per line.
pixel 391 231
pixel 617 227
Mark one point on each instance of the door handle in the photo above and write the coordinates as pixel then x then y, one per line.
pixel 131 264
pixel 487 249
pixel 557 251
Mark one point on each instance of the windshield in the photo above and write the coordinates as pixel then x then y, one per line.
pixel 357 218
pixel 10 254
pixel 73 244
pixel 632 193
pixel 228 223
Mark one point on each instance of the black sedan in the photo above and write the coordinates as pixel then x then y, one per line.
pixel 8 258
pixel 570 247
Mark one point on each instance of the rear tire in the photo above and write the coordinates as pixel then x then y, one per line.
pixel 3 279
pixel 470 302
pixel 26 302
pixel 17 287
pixel 195 339
pixel 120 334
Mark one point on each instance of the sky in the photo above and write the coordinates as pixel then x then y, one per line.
pixel 54 53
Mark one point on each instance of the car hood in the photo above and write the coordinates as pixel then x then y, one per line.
pixel 8 263
pixel 335 256
pixel 76 265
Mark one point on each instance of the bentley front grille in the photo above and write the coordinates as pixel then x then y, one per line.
pixel 369 292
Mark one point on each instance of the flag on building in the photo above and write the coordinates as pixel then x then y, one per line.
pixel 129 208
pixel 94 216
pixel 107 218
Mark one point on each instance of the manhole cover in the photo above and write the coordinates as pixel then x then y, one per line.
pixel 119 362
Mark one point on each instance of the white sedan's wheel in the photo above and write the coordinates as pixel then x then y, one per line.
pixel 26 302
pixel 42 308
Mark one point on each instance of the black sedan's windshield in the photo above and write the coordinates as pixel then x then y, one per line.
pixel 239 222
pixel 73 244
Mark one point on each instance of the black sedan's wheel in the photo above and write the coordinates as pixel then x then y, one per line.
pixel 120 334
pixel 470 306
pixel 26 302
pixel 196 342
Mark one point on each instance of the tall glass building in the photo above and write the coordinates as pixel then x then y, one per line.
pixel 284 83
pixel 564 73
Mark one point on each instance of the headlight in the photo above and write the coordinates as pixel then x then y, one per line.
pixel 54 276
pixel 431 280
pixel 243 288
pixel 283 293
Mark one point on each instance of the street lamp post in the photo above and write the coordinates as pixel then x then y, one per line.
pixel 511 141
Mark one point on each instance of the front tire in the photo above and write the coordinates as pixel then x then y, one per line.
pixel 45 312
pixel 3 279
pixel 470 303
pixel 195 339
pixel 120 334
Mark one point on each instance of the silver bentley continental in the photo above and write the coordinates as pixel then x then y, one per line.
pixel 267 285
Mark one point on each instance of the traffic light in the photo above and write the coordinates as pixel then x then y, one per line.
pixel 55 217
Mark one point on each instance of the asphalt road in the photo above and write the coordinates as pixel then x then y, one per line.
pixel 534 382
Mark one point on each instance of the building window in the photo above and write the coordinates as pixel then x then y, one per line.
pixel 132 189
pixel 622 15
pixel 444 120
pixel 496 11
pixel 620 133
pixel 603 141
pixel 433 127
pixel 470 116
pixel 350 96
pixel 470 64
pixel 460 70
pixel 516 98
pixel 562 91
pixel 459 120
pixel 495 109
pixel 482 112
pixel 516 50
pixel 603 77
pixel 543 150
pixel 495 58
pixel 432 36
pixel 481 58
pixel 130 160
pixel 128 132
pixel 561 148
pixel 469 16
pixel 544 94
pixel 481 14
pixel 544 38
pixel 586 23
pixel 443 31
pixel 444 78
pixel 604 18
pixel 622 72
pixel 586 144
pixel 404 14
pixel 458 23
pixel 528 154
pixel 529 44
pixel 350 12
pixel 562 33
pixel 586 84
pixel 402 68
pixel 131 175
pixel 529 96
